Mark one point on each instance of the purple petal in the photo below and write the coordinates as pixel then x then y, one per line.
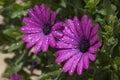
pixel 69 40
pixel 53 16
pixel 30 29
pixel 47 12
pixel 65 55
pixel 67 32
pixel 58 25
pixel 93 49
pixel 37 9
pixel 51 40
pixel 63 45
pixel 30 22
pixel 38 45
pixel 57 34
pixel 74 64
pixel 84 22
pixel 80 66
pixel 93 39
pixel 88 27
pixel 28 37
pixel 92 56
pixel 68 64
pixel 86 60
pixel 45 44
pixel 33 15
pixel 72 28
pixel 94 30
pixel 42 10
pixel 78 26
pixel 63 52
pixel 33 41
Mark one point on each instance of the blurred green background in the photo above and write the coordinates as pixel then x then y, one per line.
pixel 104 12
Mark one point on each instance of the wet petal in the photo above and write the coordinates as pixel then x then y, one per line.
pixel 72 28
pixel 84 22
pixel 78 26
pixel 93 39
pixel 94 30
pixel 92 56
pixel 65 55
pixel 30 29
pixel 53 16
pixel 80 66
pixel 58 25
pixel 33 41
pixel 33 15
pixel 51 40
pixel 57 34
pixel 30 22
pixel 74 64
pixel 63 45
pixel 38 45
pixel 45 44
pixel 68 64
pixel 86 60
pixel 88 27
pixel 69 40
pixel 63 52
pixel 29 37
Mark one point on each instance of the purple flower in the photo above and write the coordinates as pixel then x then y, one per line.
pixel 78 45
pixel 40 29
pixel 14 77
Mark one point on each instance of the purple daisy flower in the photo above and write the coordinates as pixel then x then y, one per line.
pixel 40 28
pixel 78 45
pixel 14 77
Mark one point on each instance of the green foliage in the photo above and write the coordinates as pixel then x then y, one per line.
pixel 104 12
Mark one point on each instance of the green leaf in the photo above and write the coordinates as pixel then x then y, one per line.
pixel 91 3
pixel 117 61
pixel 15 46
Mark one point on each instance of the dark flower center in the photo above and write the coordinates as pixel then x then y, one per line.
pixel 46 29
pixel 84 46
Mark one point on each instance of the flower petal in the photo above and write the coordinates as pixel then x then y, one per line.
pixel 93 39
pixel 38 45
pixel 88 27
pixel 68 64
pixel 94 30
pixel 84 22
pixel 74 64
pixel 29 21
pixel 57 34
pixel 86 60
pixel 53 16
pixel 72 28
pixel 92 56
pixel 65 55
pixel 45 44
pixel 63 45
pixel 33 15
pixel 51 41
pixel 80 66
pixel 58 25
pixel 30 29
pixel 28 37
pixel 33 41
pixel 69 40
pixel 78 26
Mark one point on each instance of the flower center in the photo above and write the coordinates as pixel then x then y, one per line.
pixel 46 29
pixel 84 46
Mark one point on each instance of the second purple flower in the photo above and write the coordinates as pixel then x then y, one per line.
pixel 78 45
